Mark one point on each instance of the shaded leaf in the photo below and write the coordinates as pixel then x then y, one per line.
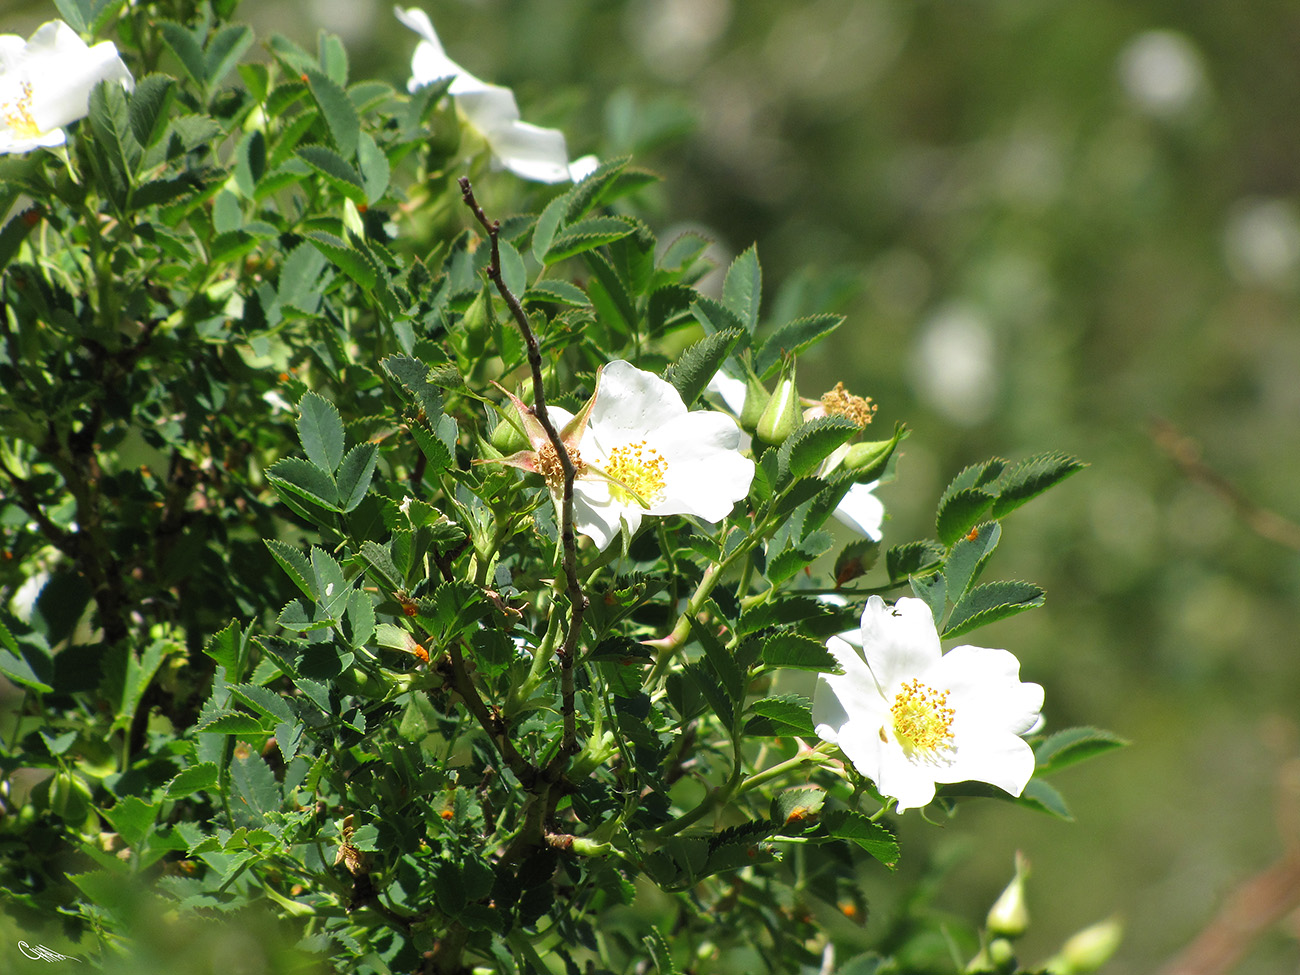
pixel 700 363
pixel 991 602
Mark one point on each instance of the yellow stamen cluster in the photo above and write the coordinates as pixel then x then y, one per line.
pixel 638 469
pixel 922 717
pixel 840 402
pixel 17 114
pixel 549 466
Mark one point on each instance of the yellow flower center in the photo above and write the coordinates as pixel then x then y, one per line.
pixel 549 466
pixel 922 717
pixel 17 114
pixel 638 472
pixel 840 402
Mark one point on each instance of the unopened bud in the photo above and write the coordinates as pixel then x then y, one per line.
pixel 1009 915
pixel 756 398
pixel 862 455
pixel 507 435
pixel 1087 950
pixel 998 956
pixel 782 414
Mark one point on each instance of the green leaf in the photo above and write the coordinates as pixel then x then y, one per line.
pixel 306 480
pixel 196 778
pixel 932 589
pixel 793 807
pixel 337 172
pixel 608 292
pixel 224 50
pixel 355 474
pixel 513 272
pixel 810 444
pixel 320 428
pixel 742 291
pixel 547 225
pixel 714 693
pixel 856 559
pixel 700 363
pixel 111 121
pixel 1044 797
pixel 1031 477
pixel 331 589
pixel 991 602
pixel 960 511
pixel 787 714
pixel 361 618
pixel 300 279
pixel 253 782
pixel 224 647
pixel 379 559
pixel 148 107
pixel 187 49
pixel 132 819
pixel 263 700
pixel 20 671
pixel 968 557
pixel 75 13
pixel 559 292
pixel 793 650
pixel 588 191
pixel 414 376
pixel 846 824
pixel 720 661
pixel 794 559
pixel 586 235
pixel 1073 745
pixel 714 316
pixel 659 953
pixel 375 171
pixel 339 113
pixel 293 562
pixel 793 337
pixel 913 558
pixel 333 57
pixel 349 260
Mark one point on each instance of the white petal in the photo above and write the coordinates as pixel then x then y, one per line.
pixel 985 689
pixel 899 642
pixel 418 21
pixel 529 151
pixel 583 167
pixel 594 513
pixel 731 390
pixel 910 782
pixel 631 401
pixel 706 472
pixel 862 511
pixel 1001 759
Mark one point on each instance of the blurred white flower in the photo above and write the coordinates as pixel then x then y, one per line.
pixel 526 150
pixel 1161 71
pixel 46 81
pixel 909 716
pixel 638 451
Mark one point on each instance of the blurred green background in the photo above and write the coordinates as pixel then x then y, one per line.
pixel 1050 225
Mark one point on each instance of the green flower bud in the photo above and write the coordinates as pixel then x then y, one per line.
pixel 508 435
pixel 862 455
pixel 1009 915
pixel 756 398
pixel 1087 950
pixel 782 415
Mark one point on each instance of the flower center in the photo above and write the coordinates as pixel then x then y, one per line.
pixel 840 402
pixel 922 717
pixel 638 471
pixel 549 466
pixel 17 114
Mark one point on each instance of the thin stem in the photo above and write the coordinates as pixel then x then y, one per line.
pixel 577 598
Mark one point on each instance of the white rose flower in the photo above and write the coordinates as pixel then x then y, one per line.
pixel 526 150
pixel 46 81
pixel 638 451
pixel 909 716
